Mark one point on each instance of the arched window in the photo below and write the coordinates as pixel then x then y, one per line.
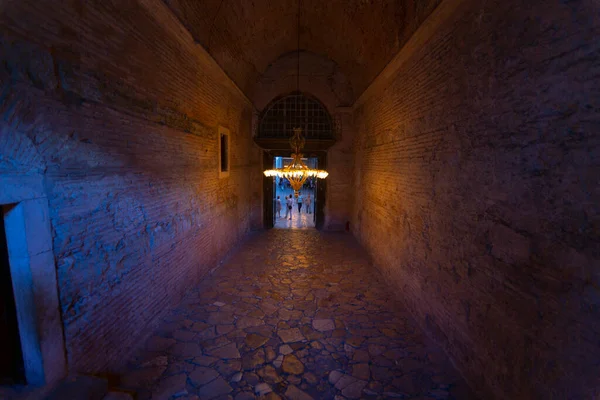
pixel 292 111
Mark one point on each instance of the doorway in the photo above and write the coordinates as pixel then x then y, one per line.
pixel 290 212
pixel 12 366
pixel 273 188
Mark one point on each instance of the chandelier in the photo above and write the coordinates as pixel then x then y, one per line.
pixel 297 172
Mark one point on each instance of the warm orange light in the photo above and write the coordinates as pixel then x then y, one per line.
pixel 296 172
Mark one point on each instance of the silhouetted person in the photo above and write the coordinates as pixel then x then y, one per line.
pixel 278 207
pixel 300 202
pixel 307 204
pixel 288 210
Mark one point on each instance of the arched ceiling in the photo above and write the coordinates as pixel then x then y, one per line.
pixel 245 36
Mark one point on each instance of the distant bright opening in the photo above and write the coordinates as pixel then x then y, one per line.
pixel 302 212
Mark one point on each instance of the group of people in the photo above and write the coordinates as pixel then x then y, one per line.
pixel 289 203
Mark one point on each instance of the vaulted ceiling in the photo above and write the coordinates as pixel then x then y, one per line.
pixel 245 36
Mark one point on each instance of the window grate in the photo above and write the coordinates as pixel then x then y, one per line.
pixel 293 111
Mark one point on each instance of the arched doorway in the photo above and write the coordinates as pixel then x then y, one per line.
pixel 275 127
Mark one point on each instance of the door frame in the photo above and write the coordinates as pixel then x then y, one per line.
pixel 33 272
pixel 321 189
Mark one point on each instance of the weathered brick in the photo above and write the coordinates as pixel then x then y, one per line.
pixel 476 187
pixel 118 108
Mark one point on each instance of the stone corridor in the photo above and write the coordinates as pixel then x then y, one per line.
pixel 298 315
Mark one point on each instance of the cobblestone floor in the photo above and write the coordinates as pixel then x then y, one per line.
pixel 294 314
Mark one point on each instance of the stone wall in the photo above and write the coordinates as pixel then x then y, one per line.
pixel 117 108
pixel 477 164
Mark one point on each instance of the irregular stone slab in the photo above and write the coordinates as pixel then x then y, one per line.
pixel 251 378
pixel 202 375
pixel 271 396
pixel 251 361
pixel 237 377
pixel 178 366
pixel 207 334
pixel 361 371
pixel 228 367
pixel 285 350
pixel 186 350
pixel 310 378
pixel 354 390
pixel 292 365
pixel 220 318
pixel 323 325
pixel 224 329
pixel 245 396
pixel 215 388
pixel 171 386
pixel 269 354
pixel 375 349
pixel 262 330
pixel 361 356
pixel 355 341
pixel 199 326
pixel 316 345
pixel 268 309
pixel 219 303
pixel 344 381
pixel 228 351
pixel 255 341
pixel 290 335
pixel 269 374
pixel 262 389
pixel 278 361
pixel 293 393
pixel 246 322
pixel 204 360
pixel 310 333
pixel 381 373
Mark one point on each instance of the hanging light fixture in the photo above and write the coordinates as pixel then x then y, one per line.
pixel 296 171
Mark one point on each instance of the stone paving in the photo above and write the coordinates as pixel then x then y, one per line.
pixel 294 314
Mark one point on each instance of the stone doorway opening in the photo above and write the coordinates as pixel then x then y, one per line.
pixel 32 349
pixel 273 188
pixel 302 214
pixel 12 366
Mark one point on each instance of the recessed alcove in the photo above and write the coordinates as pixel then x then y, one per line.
pixel 32 324
pixel 12 368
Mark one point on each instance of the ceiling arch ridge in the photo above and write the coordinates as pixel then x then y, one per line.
pixel 320 76
pixel 245 36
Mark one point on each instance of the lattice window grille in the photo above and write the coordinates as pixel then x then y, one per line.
pixel 297 110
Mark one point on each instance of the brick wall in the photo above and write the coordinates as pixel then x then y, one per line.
pixel 477 165
pixel 118 108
